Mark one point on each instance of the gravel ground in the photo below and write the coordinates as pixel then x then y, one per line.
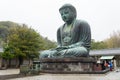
pixel 108 76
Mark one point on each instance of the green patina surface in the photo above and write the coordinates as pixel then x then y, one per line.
pixel 73 37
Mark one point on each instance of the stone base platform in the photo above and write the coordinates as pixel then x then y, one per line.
pixel 67 65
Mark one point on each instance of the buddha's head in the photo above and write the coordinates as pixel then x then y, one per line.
pixel 68 13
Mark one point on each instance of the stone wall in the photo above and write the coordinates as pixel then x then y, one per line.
pixel 67 65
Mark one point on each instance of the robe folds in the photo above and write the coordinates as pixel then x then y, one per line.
pixel 75 44
pixel 80 35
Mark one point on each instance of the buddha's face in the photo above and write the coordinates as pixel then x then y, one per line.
pixel 67 15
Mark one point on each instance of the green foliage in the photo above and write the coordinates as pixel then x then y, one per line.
pixel 98 45
pixel 3 32
pixel 49 44
pixel 7 54
pixel 4 27
pixel 8 24
pixel 24 41
pixel 114 40
pixel 1 54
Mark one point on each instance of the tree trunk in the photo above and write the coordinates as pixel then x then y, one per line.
pixel 0 62
pixel 17 62
pixel 9 63
pixel 20 61
pixel 6 64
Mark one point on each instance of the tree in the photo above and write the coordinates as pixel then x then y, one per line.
pixel 20 41
pixel 114 40
pixel 4 27
pixel 98 44
pixel 49 44
pixel 24 42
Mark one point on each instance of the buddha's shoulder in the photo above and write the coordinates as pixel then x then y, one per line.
pixel 81 22
pixel 61 26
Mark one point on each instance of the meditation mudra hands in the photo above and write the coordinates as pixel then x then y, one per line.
pixel 62 47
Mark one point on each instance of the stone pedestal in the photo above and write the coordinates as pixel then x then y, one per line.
pixel 67 65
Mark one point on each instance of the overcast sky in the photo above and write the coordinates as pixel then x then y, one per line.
pixel 43 15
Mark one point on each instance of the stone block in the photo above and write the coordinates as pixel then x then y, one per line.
pixel 63 65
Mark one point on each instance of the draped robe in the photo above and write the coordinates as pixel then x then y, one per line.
pixel 78 44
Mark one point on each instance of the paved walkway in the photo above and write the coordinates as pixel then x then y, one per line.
pixel 9 71
pixel 109 76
